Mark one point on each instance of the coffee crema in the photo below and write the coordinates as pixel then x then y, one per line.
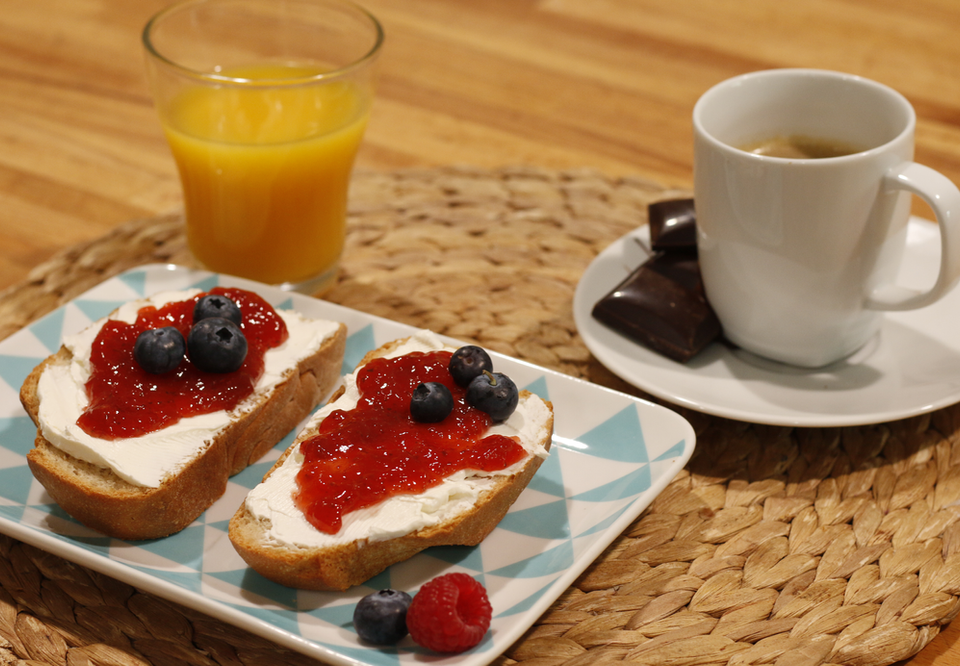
pixel 800 147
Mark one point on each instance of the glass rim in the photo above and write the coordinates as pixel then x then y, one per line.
pixel 222 79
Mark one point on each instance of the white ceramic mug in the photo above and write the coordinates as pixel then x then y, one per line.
pixel 799 256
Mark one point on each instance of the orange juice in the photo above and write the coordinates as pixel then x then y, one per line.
pixel 265 171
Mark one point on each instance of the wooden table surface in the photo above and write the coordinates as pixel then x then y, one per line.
pixel 603 84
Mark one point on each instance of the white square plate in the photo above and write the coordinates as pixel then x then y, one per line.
pixel 611 455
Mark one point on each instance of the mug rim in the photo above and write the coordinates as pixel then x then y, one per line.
pixel 221 79
pixel 704 99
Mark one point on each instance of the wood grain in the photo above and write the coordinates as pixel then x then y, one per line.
pixel 605 84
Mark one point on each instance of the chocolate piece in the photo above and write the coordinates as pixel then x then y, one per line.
pixel 673 224
pixel 660 312
pixel 681 266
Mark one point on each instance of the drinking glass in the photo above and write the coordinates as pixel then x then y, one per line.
pixel 264 104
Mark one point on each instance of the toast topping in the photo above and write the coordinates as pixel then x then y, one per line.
pixel 127 401
pixel 377 450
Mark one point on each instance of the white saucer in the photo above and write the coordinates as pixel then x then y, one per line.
pixel 912 366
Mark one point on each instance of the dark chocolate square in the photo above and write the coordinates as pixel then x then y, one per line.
pixel 673 225
pixel 660 313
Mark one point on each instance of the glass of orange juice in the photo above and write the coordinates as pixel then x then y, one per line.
pixel 264 104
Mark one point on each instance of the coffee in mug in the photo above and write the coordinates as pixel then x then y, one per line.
pixel 800 147
pixel 799 256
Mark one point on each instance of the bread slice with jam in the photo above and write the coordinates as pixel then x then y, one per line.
pixel 153 484
pixel 277 539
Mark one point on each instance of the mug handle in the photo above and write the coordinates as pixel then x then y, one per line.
pixel 944 198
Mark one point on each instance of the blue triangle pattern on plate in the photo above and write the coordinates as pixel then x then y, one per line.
pixel 55 511
pixel 554 560
pixel 382 656
pixel 468 557
pixel 222 525
pixel 252 475
pixel 255 584
pixel 546 521
pixel 619 438
pixel 17 434
pixel 481 578
pixel 136 280
pixel 97 309
pixel 605 524
pixel 538 387
pixel 381 581
pixel 12 511
pixel 16 483
pixel 549 478
pixel 185 547
pixel 285 619
pixel 628 485
pixel 525 604
pixel 358 344
pixel 339 615
pixel 100 544
pixel 207 283
pixel 49 330
pixel 186 579
pixel 14 369
pixel 674 451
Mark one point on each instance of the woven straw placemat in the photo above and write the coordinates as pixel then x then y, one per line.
pixel 774 545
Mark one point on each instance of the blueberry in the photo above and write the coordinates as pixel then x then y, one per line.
pixel 431 402
pixel 214 305
pixel 468 362
pixel 159 350
pixel 381 618
pixel 493 393
pixel 217 345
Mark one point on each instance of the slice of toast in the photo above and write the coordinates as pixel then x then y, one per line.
pixel 342 563
pixel 101 499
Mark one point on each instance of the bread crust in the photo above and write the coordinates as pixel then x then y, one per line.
pixel 100 499
pixel 340 567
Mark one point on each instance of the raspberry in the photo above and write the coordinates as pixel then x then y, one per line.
pixel 451 613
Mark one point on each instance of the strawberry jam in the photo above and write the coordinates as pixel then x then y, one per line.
pixel 127 401
pixel 370 453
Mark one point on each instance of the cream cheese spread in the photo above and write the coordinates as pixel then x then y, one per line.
pixel 272 501
pixel 148 459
